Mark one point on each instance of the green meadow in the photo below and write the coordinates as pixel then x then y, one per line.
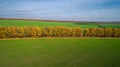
pixel 66 24
pixel 59 52
pixel 44 52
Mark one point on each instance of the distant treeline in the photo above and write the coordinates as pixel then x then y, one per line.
pixel 75 21
pixel 60 31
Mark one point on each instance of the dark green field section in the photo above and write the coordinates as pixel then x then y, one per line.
pixel 60 53
pixel 66 24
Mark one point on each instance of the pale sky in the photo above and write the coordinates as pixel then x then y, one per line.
pixel 81 10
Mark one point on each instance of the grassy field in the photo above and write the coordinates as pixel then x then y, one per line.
pixel 44 24
pixel 60 53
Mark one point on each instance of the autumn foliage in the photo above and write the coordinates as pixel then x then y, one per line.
pixel 59 31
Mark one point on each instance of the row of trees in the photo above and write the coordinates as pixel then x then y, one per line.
pixel 102 32
pixel 60 31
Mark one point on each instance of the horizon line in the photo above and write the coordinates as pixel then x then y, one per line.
pixel 54 20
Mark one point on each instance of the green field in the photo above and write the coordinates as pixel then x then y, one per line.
pixel 44 24
pixel 60 53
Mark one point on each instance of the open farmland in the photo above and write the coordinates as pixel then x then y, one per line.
pixel 60 53
pixel 59 33
pixel 66 24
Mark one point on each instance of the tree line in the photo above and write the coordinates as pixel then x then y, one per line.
pixel 59 31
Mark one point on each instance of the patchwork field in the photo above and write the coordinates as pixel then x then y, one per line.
pixel 55 52
pixel 60 53
pixel 66 24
